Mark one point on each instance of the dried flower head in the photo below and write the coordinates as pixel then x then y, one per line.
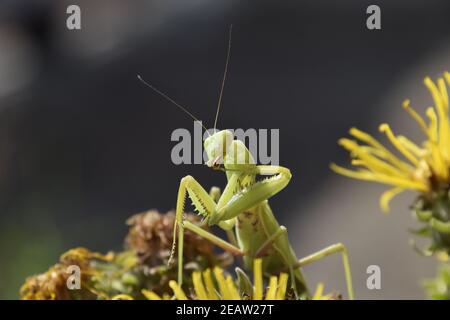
pixel 151 237
pixel 101 276
pixel 47 286
pixel 52 285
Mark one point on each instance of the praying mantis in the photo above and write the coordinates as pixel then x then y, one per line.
pixel 242 209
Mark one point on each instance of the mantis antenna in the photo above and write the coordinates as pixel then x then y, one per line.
pixel 224 78
pixel 165 96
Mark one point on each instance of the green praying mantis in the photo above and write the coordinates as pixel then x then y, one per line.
pixel 242 208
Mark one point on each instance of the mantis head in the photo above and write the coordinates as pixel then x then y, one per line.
pixel 222 148
pixel 216 147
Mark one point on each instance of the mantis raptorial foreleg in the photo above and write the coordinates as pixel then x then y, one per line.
pixel 334 248
pixel 205 204
pixel 251 196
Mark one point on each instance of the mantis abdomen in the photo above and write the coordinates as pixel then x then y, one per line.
pixel 260 235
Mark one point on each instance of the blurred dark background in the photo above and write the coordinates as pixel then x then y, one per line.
pixel 83 145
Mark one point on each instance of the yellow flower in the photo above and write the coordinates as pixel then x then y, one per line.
pixel 214 285
pixel 424 168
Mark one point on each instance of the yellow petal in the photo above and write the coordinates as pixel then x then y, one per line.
pixel 432 128
pixel 198 286
pixel 150 295
pixel 258 281
pixel 415 116
pixel 282 285
pixel 387 196
pixel 234 293
pixel 443 92
pixel 179 293
pixel 408 155
pixel 447 77
pixel 411 146
pixel 212 295
pixel 218 273
pixel 319 291
pixel 272 291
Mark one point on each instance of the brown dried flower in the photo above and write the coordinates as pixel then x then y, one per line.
pixel 151 237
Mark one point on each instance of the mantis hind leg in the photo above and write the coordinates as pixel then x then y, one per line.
pixel 335 248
